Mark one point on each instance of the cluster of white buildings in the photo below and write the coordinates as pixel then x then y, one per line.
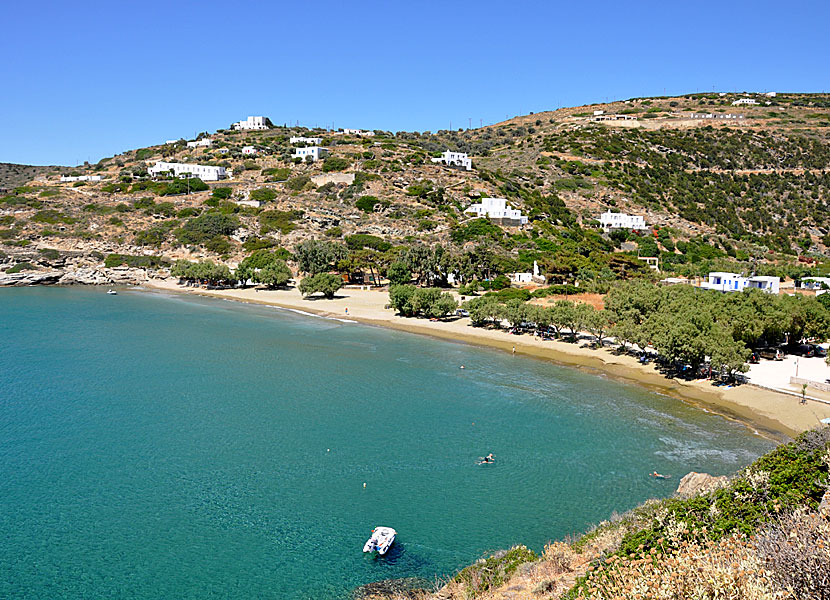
pixel 312 141
pixel 745 102
pixel 204 143
pixel 315 152
pixel 359 132
pixel 611 220
pixel 456 159
pixel 203 172
pixel 251 123
pixel 715 116
pixel 732 282
pixel 497 210
pixel 69 178
pixel 603 117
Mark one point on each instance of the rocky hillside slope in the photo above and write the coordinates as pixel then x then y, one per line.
pixel 743 183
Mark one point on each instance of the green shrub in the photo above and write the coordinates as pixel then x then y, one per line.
pixel 49 253
pixel 263 195
pixel 52 217
pixel 22 266
pixel 143 154
pixel 222 193
pixel 334 232
pixel 143 262
pixel 334 163
pixel 278 220
pixel 367 203
pixel 206 227
pixel 490 573
pixel 298 183
pixel 277 174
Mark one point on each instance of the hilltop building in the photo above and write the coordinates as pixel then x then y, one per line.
pixel 611 220
pixel 732 282
pixel 360 132
pixel 498 212
pixel 458 159
pixel 313 141
pixel 203 172
pixel 205 143
pixel 251 123
pixel 315 152
pixel 745 102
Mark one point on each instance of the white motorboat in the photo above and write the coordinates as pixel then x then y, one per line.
pixel 382 538
pixel 111 292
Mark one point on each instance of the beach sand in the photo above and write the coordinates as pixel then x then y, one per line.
pixel 770 413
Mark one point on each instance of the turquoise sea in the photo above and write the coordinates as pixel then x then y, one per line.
pixel 157 446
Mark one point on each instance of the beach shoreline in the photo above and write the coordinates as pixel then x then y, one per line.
pixel 769 413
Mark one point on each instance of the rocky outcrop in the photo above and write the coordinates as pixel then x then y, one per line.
pixel 824 507
pixel 699 483
pixel 75 276
pixel 30 278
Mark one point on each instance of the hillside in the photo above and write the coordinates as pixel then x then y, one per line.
pixel 747 193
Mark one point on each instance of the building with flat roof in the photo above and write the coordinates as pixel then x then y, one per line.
pixel 315 152
pixel 68 178
pixel 203 172
pixel 311 141
pixel 456 159
pixel 732 282
pixel 251 123
pixel 497 210
pixel 612 220
pixel 203 143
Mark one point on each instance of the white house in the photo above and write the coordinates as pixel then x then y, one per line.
pixel 67 178
pixel 254 123
pixel 611 220
pixel 358 132
pixel 725 282
pixel 458 159
pixel 313 141
pixel 315 152
pixel 770 285
pixel 496 210
pixel 770 94
pixel 171 142
pixel 599 112
pixel 520 277
pixel 814 283
pixel 732 282
pixel 745 101
pixel 249 150
pixel 203 172
pixel 204 143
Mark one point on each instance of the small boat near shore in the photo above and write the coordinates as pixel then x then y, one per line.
pixel 112 292
pixel 381 540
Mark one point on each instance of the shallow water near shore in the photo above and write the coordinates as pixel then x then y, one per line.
pixel 158 445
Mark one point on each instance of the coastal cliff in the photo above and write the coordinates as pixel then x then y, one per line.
pixel 762 535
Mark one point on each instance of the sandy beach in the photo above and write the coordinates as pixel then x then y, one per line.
pixel 770 413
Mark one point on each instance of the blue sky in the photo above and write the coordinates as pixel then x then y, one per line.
pixel 84 80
